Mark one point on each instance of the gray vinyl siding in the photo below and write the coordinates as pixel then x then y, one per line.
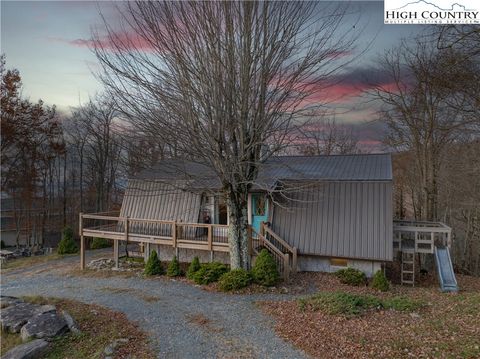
pixel 339 219
pixel 158 200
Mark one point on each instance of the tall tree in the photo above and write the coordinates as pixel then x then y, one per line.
pixel 31 142
pixel 418 112
pixel 219 80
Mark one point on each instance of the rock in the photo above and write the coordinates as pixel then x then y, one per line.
pixel 46 309
pixel 72 325
pixel 31 350
pixel 102 263
pixel 109 350
pixel 6 301
pixel 415 315
pixel 15 316
pixel 46 325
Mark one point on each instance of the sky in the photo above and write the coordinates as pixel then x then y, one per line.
pixel 48 42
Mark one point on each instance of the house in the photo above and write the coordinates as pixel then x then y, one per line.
pixel 335 211
pixel 312 213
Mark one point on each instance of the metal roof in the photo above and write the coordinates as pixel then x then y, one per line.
pixel 359 167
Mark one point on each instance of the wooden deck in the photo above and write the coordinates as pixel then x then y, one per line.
pixel 196 236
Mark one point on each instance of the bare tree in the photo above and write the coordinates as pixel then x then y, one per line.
pixel 219 80
pixel 418 112
pixel 93 136
pixel 325 136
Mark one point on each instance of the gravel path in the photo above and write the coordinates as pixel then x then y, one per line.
pixel 183 321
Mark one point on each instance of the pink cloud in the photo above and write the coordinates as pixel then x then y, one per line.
pixel 126 41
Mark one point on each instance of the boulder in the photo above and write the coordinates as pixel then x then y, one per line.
pixel 6 301
pixel 72 325
pixel 15 316
pixel 46 325
pixel 31 350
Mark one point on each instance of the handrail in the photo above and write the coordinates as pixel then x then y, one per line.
pixel 146 220
pixel 278 238
pixel 292 251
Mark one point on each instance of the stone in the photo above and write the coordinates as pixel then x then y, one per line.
pixel 14 317
pixel 46 309
pixel 109 350
pixel 6 301
pixel 101 263
pixel 31 350
pixel 72 325
pixel 415 315
pixel 46 325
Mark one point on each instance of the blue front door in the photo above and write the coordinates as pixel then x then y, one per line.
pixel 259 210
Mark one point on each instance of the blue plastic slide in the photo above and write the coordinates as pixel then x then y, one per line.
pixel 446 276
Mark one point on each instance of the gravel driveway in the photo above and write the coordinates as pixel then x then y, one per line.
pixel 183 321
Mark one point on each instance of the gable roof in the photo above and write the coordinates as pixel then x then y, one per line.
pixel 360 167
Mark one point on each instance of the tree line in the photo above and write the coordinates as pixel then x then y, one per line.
pixel 431 108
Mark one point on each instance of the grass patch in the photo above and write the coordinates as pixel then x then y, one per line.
pixel 403 304
pixel 354 304
pixel 139 260
pixel 99 327
pixel 24 262
pixel 9 340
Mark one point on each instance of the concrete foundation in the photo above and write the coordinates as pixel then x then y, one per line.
pixel 322 264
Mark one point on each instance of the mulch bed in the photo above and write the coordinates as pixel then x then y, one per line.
pixel 448 325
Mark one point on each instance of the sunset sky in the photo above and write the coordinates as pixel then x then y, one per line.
pixel 48 42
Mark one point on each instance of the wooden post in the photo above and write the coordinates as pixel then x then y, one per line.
pixel 210 241
pixel 126 230
pixel 210 237
pixel 115 252
pixel 449 239
pixel 286 266
pixel 146 253
pixel 82 242
pixel 294 260
pixel 250 240
pixel 432 245
pixel 174 234
pixel 262 228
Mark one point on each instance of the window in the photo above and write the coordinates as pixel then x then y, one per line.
pixel 338 262
pixel 259 205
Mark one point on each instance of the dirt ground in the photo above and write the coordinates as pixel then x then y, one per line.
pixel 447 326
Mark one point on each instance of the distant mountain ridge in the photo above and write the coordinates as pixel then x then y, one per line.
pixel 438 7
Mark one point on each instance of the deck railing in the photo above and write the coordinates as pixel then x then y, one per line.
pixel 420 236
pixel 199 236
pixel 203 236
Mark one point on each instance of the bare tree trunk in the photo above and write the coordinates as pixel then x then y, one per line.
pixel 238 230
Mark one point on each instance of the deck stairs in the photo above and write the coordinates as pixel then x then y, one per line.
pixel 408 267
pixel 284 255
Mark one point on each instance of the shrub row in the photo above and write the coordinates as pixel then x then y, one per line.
pixel 264 272
pixel 352 276
pixel 353 304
